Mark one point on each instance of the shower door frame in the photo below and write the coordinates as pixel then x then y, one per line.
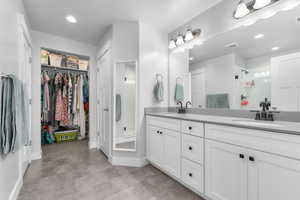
pixel 136 104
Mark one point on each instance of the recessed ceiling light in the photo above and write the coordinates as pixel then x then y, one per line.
pixel 275 48
pixel 258 36
pixel 71 19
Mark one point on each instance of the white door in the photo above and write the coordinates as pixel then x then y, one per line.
pixel 171 152
pixel 225 171
pixel 155 145
pixel 25 77
pixel 103 102
pixel 273 177
pixel 198 90
pixel 285 73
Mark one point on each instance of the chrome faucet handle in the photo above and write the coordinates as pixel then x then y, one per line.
pixel 188 103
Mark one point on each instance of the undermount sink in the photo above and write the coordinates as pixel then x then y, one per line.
pixel 257 123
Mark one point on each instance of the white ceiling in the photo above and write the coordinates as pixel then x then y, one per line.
pixel 94 16
pixel 281 30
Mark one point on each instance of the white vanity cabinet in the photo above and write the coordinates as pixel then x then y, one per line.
pixel 163 144
pixel 239 165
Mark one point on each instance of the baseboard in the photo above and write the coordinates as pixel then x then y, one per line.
pixel 16 190
pixel 125 139
pixel 36 155
pixel 129 161
pixel 92 144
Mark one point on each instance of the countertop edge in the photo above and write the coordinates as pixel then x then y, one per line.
pixel 228 124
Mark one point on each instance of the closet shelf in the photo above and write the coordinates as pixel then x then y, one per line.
pixel 62 68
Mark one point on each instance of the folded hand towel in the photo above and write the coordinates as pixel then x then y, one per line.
pixel 179 92
pixel 159 91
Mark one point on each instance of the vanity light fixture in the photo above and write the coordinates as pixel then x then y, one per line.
pixel 275 48
pixel 246 7
pixel 179 40
pixel 261 3
pixel 258 36
pixel 172 44
pixel 71 19
pixel 188 35
pixel 242 10
pixel 186 41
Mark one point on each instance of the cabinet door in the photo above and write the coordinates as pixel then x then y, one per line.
pixel 273 177
pixel 155 145
pixel 225 171
pixel 171 155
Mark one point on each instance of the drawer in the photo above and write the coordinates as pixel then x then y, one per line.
pixel 193 128
pixel 192 148
pixel 192 174
pixel 161 122
pixel 270 142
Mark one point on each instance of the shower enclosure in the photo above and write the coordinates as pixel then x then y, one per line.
pixel 125 101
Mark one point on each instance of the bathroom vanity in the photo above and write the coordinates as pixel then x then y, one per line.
pixel 224 158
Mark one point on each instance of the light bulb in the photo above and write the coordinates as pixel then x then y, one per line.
pixel 261 3
pixel 275 48
pixel 71 19
pixel 172 44
pixel 179 40
pixel 188 35
pixel 241 10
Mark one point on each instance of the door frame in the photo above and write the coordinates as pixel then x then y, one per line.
pixel 24 37
pixel 136 104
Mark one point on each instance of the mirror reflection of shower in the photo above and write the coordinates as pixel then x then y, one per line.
pixel 125 106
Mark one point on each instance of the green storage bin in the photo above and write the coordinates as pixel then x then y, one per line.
pixel 66 136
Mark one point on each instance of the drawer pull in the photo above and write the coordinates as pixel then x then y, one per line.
pixel 190 175
pixel 251 158
pixel 190 148
pixel 242 156
pixel 190 128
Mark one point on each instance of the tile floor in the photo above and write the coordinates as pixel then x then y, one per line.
pixel 71 172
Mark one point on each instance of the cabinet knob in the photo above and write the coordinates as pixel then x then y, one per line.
pixel 190 148
pixel 190 128
pixel 190 174
pixel 157 131
pixel 251 158
pixel 242 156
pixel 161 132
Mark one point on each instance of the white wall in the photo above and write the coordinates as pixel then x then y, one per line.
pixel 55 42
pixel 153 56
pixel 10 176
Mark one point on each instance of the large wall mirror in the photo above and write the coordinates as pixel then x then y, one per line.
pixel 245 66
pixel 125 92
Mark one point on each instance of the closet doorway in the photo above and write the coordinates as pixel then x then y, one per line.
pixel 104 102
pixel 64 96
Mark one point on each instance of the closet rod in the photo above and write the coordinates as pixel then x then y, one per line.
pixel 53 68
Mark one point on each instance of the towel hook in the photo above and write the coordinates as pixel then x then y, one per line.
pixel 179 79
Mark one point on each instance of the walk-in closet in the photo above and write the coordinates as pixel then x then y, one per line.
pixel 64 96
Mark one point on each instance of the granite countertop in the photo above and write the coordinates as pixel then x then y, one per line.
pixel 276 126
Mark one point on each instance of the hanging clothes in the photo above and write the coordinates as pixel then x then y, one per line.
pixel 13 121
pixel 81 108
pixel 59 100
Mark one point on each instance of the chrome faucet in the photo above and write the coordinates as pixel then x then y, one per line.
pixel 181 109
pixel 265 114
pixel 188 103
